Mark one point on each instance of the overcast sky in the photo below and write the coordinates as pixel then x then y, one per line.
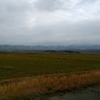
pixel 49 22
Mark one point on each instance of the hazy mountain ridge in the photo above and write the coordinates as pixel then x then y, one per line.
pixel 44 48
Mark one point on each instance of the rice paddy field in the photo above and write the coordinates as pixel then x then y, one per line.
pixel 29 64
pixel 44 73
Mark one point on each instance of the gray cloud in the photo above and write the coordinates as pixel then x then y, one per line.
pixel 62 33
pixel 13 13
pixel 49 22
pixel 53 5
pixel 48 5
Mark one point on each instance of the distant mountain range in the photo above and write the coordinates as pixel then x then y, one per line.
pixel 22 48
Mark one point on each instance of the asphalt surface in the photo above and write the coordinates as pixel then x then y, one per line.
pixel 91 93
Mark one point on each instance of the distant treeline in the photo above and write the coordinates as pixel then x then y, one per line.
pixel 62 51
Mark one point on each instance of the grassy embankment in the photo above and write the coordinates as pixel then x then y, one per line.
pixel 26 75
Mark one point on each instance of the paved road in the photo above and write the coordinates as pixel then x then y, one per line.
pixel 87 94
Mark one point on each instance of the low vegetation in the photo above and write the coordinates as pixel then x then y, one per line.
pixel 28 75
pixel 46 84
pixel 14 65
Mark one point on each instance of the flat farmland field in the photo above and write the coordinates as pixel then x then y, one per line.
pixel 28 76
pixel 13 65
